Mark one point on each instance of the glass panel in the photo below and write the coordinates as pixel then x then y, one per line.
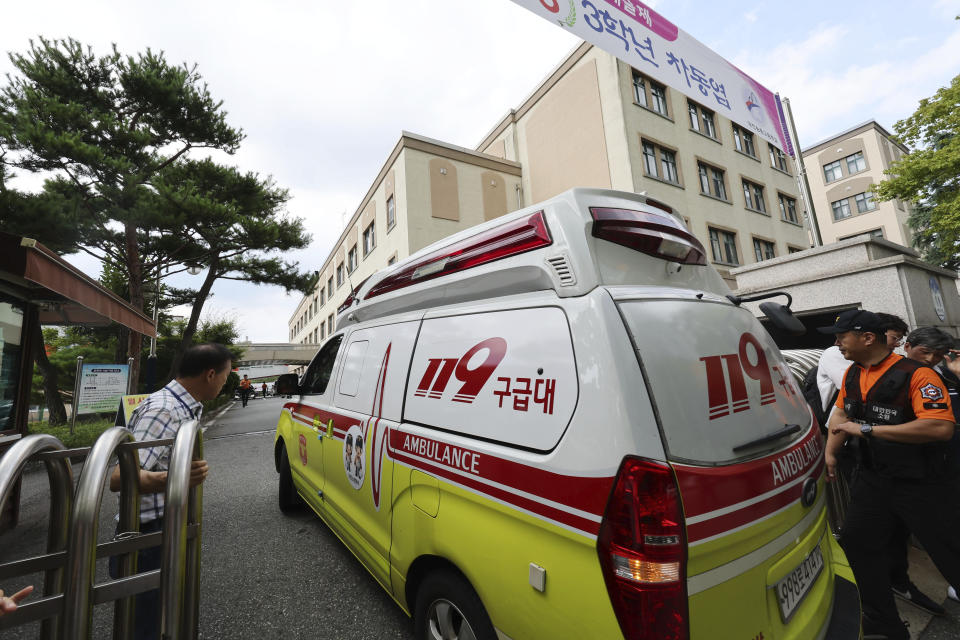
pixel 704 179
pixel 669 162
pixel 639 91
pixel 718 187
pixel 649 159
pixel 659 94
pixel 694 117
pixel 11 351
pixel 708 127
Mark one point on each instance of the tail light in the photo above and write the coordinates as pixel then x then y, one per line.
pixel 649 232
pixel 503 241
pixel 642 548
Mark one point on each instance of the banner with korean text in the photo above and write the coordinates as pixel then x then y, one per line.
pixel 641 37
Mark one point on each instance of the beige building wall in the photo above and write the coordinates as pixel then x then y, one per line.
pixel 583 127
pixel 879 152
pixel 437 189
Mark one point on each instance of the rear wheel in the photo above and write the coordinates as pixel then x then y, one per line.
pixel 289 499
pixel 448 608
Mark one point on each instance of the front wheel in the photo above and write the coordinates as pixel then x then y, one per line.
pixel 448 608
pixel 289 499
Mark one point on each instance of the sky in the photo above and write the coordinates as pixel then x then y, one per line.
pixel 323 89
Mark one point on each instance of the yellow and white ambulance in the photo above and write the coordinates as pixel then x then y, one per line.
pixel 557 424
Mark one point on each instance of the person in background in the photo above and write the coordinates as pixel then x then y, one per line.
pixel 900 413
pixel 264 389
pixel 246 386
pixel 934 348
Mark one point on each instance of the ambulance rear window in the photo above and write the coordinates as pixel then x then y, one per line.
pixel 718 380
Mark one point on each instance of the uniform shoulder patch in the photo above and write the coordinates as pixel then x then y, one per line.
pixel 931 391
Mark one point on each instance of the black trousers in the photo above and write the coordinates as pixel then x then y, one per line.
pixel 878 506
pixel 146 625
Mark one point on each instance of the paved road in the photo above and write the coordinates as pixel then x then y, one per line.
pixel 268 575
pixel 264 574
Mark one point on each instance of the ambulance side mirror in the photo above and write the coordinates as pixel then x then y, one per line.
pixel 783 318
pixel 288 385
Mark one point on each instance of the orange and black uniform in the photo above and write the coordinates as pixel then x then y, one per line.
pixel 245 388
pixel 898 482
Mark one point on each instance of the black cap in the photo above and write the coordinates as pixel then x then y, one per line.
pixel 854 320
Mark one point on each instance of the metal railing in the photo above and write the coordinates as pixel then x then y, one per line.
pixel 70 592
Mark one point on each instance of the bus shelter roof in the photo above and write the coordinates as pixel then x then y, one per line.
pixel 62 293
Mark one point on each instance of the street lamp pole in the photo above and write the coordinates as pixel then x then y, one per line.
pixel 152 358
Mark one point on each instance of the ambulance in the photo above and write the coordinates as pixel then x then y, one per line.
pixel 560 424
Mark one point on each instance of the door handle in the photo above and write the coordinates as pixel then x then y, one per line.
pixel 330 428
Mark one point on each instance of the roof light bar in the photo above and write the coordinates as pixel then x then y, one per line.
pixel 649 232
pixel 504 241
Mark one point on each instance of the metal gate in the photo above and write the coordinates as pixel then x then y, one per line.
pixel 69 591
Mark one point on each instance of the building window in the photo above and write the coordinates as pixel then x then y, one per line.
pixel 778 159
pixel 832 171
pixel 701 120
pixel 856 163
pixel 339 275
pixel 753 196
pixel 658 95
pixel 660 163
pixel 793 249
pixel 369 239
pixel 323 297
pixel 763 250
pixel 724 246
pixel 788 209
pixel 639 90
pixel 841 209
pixel 743 141
pixel 329 324
pixel 711 181
pixel 392 260
pixel 352 259
pixel 865 202
pixel 391 213
pixel 650 94
pixel 330 288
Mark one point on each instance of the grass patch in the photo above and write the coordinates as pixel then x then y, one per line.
pixel 84 433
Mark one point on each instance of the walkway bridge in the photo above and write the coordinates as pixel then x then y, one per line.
pixel 276 353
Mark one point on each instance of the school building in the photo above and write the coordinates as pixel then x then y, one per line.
pixel 842 171
pixel 593 122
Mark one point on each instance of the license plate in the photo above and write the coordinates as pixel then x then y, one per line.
pixel 792 589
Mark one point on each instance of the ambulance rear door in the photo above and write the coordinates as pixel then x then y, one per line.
pixel 748 464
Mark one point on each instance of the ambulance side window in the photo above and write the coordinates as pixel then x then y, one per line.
pixel 318 375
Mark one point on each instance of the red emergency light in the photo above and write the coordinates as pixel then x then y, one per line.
pixel 504 241
pixel 649 232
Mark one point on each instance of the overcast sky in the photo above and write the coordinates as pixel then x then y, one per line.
pixel 323 89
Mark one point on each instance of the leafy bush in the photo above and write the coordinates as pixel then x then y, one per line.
pixel 84 433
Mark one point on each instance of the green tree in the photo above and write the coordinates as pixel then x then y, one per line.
pixel 102 128
pixel 230 219
pixel 929 177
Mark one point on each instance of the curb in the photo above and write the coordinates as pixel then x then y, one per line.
pixel 213 419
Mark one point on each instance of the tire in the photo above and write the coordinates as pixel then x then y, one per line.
pixel 447 608
pixel 289 499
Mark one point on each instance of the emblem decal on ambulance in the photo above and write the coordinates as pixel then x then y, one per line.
pixel 727 370
pixel 931 391
pixel 434 382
